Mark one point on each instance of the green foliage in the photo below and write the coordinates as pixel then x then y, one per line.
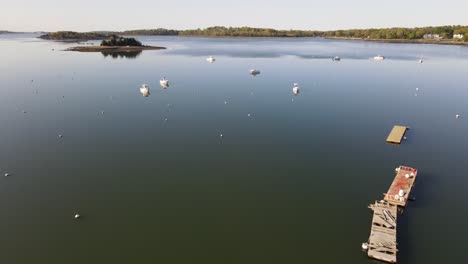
pixel 446 32
pixel 115 40
pixel 71 35
pixel 246 32
pixel 150 32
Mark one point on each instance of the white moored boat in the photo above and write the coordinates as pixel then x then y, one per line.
pixel 254 72
pixel 144 90
pixel 336 58
pixel 210 59
pixel 379 58
pixel 164 82
pixel 295 89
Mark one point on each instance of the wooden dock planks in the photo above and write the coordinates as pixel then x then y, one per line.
pixel 382 244
pixel 382 240
pixel 397 134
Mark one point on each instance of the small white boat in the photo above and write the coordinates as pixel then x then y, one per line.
pixel 379 58
pixel 144 90
pixel 421 61
pixel 164 82
pixel 295 89
pixel 336 58
pixel 210 59
pixel 254 72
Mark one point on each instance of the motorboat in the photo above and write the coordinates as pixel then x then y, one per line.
pixel 164 82
pixel 144 90
pixel 254 72
pixel 379 58
pixel 295 89
pixel 336 58
pixel 210 59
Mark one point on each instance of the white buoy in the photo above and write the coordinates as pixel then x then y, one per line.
pixel 6 174
pixel 77 216
pixel 60 136
pixel 404 138
pixel 365 246
pixel 220 135
pixel 225 102
pixel 401 193
pixel 421 61
pixel 457 116
pixel 248 115
pixel 417 89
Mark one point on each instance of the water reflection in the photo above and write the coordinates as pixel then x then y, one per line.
pixel 122 54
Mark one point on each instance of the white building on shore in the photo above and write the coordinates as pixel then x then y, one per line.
pixel 457 36
pixel 432 36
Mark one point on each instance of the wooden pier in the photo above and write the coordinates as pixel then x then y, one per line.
pixel 382 240
pixel 382 244
pixel 397 134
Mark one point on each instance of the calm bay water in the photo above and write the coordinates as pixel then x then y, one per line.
pixel 288 182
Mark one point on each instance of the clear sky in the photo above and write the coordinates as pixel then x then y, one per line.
pixel 89 15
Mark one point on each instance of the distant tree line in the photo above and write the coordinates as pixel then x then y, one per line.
pixel 247 32
pixel 71 35
pixel 151 32
pixel 444 32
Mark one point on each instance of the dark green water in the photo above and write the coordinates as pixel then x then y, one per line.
pixel 155 183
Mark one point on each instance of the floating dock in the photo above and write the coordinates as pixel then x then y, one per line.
pixel 401 187
pixel 382 244
pixel 397 134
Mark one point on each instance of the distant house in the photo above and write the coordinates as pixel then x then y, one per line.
pixel 457 36
pixel 432 36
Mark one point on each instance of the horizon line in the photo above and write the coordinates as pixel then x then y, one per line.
pixel 292 29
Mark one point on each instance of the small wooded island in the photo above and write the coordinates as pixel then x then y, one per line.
pixel 116 43
pixel 109 43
